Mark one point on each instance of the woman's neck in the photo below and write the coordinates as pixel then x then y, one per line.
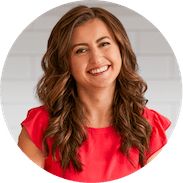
pixel 97 106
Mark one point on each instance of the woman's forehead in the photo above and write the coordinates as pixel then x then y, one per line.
pixel 91 29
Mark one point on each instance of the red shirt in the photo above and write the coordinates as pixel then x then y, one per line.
pixel 100 152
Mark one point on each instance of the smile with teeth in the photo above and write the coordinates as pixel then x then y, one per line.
pixel 99 70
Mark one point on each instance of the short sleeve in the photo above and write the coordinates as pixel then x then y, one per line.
pixel 159 125
pixel 35 124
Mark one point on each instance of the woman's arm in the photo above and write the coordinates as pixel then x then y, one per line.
pixel 30 149
pixel 153 156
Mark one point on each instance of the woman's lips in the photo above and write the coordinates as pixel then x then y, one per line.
pixel 99 70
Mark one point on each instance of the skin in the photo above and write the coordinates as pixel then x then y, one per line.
pixel 93 46
pixel 29 148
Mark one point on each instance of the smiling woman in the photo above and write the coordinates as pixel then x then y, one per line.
pixel 93 125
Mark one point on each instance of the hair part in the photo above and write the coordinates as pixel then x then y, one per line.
pixel 57 91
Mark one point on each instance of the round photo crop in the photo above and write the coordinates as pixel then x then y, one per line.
pixel 91 91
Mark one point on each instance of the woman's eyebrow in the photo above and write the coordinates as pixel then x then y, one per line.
pixel 100 39
pixel 79 44
pixel 85 44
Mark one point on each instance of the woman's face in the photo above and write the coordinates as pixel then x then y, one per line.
pixel 95 59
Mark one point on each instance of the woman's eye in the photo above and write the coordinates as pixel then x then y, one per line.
pixel 81 50
pixel 104 44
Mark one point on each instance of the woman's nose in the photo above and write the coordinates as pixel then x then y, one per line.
pixel 95 56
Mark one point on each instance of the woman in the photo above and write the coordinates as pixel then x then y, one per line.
pixel 93 125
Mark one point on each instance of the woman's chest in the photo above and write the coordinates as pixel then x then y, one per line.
pixel 101 158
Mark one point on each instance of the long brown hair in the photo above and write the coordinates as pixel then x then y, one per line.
pixel 57 91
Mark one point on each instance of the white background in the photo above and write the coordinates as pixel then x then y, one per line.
pixel 16 15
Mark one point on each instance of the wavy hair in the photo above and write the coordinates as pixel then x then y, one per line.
pixel 57 91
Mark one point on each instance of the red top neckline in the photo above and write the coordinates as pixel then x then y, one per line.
pixel 107 129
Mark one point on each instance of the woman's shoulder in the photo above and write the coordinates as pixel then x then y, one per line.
pixel 35 124
pixel 159 124
pixel 38 116
pixel 39 110
pixel 155 118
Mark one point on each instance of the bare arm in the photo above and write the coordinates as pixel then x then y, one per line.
pixel 30 149
pixel 153 156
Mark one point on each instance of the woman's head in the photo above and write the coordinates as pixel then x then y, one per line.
pixel 60 42
pixel 58 87
pixel 95 60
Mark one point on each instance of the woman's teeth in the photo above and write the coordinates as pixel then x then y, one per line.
pixel 99 70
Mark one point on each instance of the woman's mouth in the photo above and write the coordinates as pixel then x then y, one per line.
pixel 99 70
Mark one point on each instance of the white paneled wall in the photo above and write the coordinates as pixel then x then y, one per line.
pixel 22 69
